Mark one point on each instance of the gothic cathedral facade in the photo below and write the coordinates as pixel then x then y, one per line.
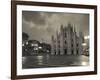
pixel 67 41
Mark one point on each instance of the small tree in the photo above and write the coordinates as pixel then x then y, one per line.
pixel 24 36
pixel 24 40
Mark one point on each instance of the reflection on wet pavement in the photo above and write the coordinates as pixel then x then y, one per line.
pixel 41 61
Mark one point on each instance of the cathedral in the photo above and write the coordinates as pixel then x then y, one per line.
pixel 67 41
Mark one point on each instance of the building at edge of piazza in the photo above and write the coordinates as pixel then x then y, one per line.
pixel 67 41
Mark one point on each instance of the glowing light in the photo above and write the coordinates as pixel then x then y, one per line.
pixel 40 47
pixel 84 44
pixel 22 44
pixel 23 60
pixel 86 37
pixel 35 48
pixel 26 43
pixel 32 44
pixel 84 63
pixel 39 57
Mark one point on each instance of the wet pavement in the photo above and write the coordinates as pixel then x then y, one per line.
pixel 43 61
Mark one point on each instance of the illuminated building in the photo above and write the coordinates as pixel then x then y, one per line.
pixel 67 41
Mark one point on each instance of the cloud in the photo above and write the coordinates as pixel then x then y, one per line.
pixel 42 25
pixel 34 17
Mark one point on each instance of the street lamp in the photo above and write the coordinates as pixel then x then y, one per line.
pixel 84 63
pixel 84 44
pixel 86 37
pixel 40 47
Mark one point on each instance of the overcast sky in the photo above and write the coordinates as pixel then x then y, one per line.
pixel 42 25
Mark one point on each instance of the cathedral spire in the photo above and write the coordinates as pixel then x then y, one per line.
pixel 61 28
pixel 52 38
pixel 69 24
pixel 74 30
pixel 57 33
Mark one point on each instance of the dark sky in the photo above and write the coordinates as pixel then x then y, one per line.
pixel 42 25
